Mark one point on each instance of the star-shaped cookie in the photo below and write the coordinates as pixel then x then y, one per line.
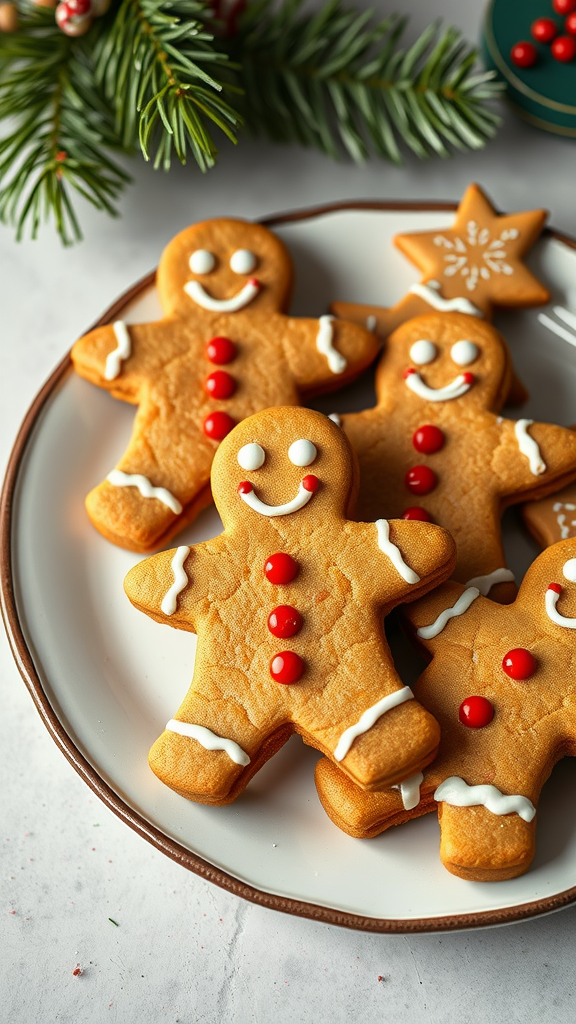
pixel 472 267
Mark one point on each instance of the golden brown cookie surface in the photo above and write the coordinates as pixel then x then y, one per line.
pixel 552 519
pixel 288 605
pixel 225 349
pixel 502 684
pixel 469 268
pixel 434 446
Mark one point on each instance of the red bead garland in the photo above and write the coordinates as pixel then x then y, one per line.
pixel 519 663
pixel 420 479
pixel 570 24
pixel 281 568
pixel 564 6
pixel 286 667
pixel 284 621
pixel 476 712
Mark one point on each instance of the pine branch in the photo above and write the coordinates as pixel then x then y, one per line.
pixel 336 79
pixel 151 66
pixel 59 128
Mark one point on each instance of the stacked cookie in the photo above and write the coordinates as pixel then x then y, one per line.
pixel 329 523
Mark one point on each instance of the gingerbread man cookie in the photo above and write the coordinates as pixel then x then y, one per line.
pixel 224 350
pixel 469 268
pixel 502 684
pixel 288 606
pixel 435 448
pixel 552 519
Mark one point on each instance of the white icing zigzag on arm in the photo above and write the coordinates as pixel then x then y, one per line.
pixel 394 553
pixel 209 740
pixel 369 718
pixel 430 293
pixel 462 605
pixel 170 600
pixel 457 793
pixel 325 344
pixel 485 583
pixel 529 448
pixel 561 518
pixel 119 479
pixel 122 351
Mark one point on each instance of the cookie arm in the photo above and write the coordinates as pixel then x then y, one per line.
pixel 325 354
pixel 533 459
pixel 406 558
pixel 168 585
pixel 120 356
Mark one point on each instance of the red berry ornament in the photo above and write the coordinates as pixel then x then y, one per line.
pixel 220 384
pixel 415 512
pixel 519 663
pixel 476 712
pixel 524 55
pixel 570 24
pixel 220 351
pixel 280 568
pixel 78 6
pixel 564 49
pixel 544 30
pixel 428 439
pixel 420 480
pixel 286 667
pixel 564 6
pixel 284 621
pixel 217 425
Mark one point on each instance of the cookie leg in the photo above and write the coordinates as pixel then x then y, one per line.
pixel 159 486
pixel 484 847
pixel 365 814
pixel 210 767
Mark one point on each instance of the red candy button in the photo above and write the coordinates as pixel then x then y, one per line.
pixel 310 483
pixel 555 587
pixel 220 384
pixel 245 487
pixel 420 480
pixel 564 49
pixel 217 425
pixel 564 6
pixel 544 30
pixel 281 568
pixel 519 663
pixel 220 351
pixel 524 55
pixel 286 667
pixel 428 439
pixel 476 712
pixel 570 24
pixel 284 621
pixel 415 512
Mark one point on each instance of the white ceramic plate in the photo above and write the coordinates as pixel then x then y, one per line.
pixel 106 678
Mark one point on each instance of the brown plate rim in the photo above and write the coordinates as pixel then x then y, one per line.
pixel 27 668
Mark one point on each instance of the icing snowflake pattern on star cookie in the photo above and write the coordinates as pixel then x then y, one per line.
pixel 477 255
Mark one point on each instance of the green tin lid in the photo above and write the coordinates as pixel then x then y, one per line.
pixel 545 94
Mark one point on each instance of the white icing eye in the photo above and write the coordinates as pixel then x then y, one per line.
pixel 251 456
pixel 202 261
pixel 302 453
pixel 464 352
pixel 423 352
pixel 569 570
pixel 242 261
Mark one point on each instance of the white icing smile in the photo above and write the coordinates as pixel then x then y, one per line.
pixel 306 490
pixel 200 296
pixel 458 387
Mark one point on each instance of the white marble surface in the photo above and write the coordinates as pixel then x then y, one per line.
pixel 184 950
